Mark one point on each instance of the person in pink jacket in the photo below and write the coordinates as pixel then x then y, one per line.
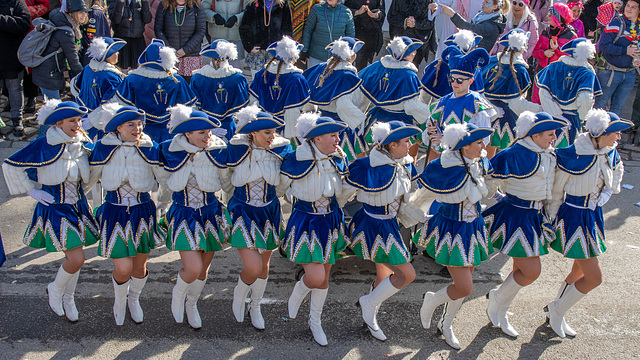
pixel 576 9
pixel 520 16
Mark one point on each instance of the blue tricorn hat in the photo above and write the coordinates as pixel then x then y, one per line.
pixel 312 125
pixel 252 118
pixel 286 49
pixel 463 134
pixel 123 115
pixel 520 39
pixel 220 49
pixel 54 110
pixel 152 58
pixel 102 48
pixel 345 47
pixel 529 123
pixel 599 122
pixel 401 46
pixel 570 47
pixel 185 119
pixel 463 36
pixel 392 131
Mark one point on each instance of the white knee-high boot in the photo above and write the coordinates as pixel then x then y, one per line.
pixel 558 308
pixel 178 298
pixel 120 300
pixel 300 291
pixel 257 292
pixel 568 330
pixel 369 303
pixel 239 299
pixel 56 290
pixel 133 298
pixel 191 305
pixel 68 298
pixel 445 325
pixel 318 297
pixel 499 301
pixel 430 303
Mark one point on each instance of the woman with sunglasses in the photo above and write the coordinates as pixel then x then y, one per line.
pixel 520 17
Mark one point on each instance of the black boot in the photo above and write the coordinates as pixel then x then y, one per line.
pixel 30 107
pixel 18 129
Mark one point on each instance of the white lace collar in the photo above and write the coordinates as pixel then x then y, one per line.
pixel 286 68
pixel 114 139
pixel 225 70
pixel 390 62
pixel 377 158
pixel 151 73
pixel 56 136
pixel 517 59
pixel 573 62
pixel 180 143
pixel 104 66
pixel 345 65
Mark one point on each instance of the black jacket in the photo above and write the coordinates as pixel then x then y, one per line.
pixel 253 31
pixel 368 29
pixel 15 22
pixel 402 9
pixel 188 36
pixel 128 19
pixel 49 74
pixel 490 30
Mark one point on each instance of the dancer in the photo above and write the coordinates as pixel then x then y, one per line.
pixel 254 156
pixel 315 235
pixel 62 220
pixel 197 225
pixel 588 173
pixel 455 236
pixel 127 162
pixel 383 180
pixel 518 224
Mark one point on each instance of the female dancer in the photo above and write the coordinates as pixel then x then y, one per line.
pixel 518 224
pixel 128 165
pixel 280 88
pixel 195 220
pixel 383 180
pixel 98 81
pixel 220 88
pixel 62 219
pixel 456 236
pixel 253 163
pixel 335 89
pixel 154 87
pixel 589 172
pixel 315 235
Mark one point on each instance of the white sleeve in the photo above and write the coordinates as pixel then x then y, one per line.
pixel 17 180
pixel 283 186
pixel 410 214
pixel 348 111
pixel 585 103
pixel 225 180
pixel 290 120
pixel 423 198
pixel 520 105
pixel 557 194
pixel 348 193
pixel 548 105
pixel 417 109
pixel 364 104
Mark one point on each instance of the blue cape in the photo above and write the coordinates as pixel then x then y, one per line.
pixel 236 154
pixel 572 163
pixel 220 97
pixel 175 160
pixel 339 83
pixel 505 88
pixel 39 153
pixel 442 180
pixel 294 169
pixel 102 153
pixel 95 87
pixel 439 86
pixel 375 179
pixel 385 86
pixel 516 162
pixel 289 92
pixel 564 82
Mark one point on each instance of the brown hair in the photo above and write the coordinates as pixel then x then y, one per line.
pixel 505 5
pixel 173 4
pixel 264 75
pixel 216 63
pixel 329 69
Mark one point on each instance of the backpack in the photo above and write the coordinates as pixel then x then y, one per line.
pixel 601 63
pixel 34 44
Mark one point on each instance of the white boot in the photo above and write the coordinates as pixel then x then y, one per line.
pixel 499 301
pixel 178 298
pixel 239 299
pixel 318 297
pixel 68 301
pixel 368 304
pixel 378 334
pixel 257 291
pixel 446 321
pixel 193 294
pixel 56 289
pixel 430 303
pixel 120 301
pixel 568 331
pixel 559 307
pixel 133 299
pixel 300 291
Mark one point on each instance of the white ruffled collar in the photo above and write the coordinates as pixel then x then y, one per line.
pixel 56 136
pixel 225 70
pixel 114 139
pixel 573 62
pixel 345 65
pixel 241 139
pixel 96 65
pixel 151 73
pixel 531 145
pixel 303 152
pixel 390 62
pixel 517 59
pixel 286 68
pixel 584 146
pixel 377 158
pixel 180 143
pixel 452 158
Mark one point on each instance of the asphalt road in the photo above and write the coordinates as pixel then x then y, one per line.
pixel 606 319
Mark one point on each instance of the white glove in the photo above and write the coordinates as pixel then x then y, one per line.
pixel 41 196
pixel 605 195
pixel 498 196
pixel 219 132
pixel 161 210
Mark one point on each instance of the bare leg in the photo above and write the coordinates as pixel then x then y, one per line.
pixel 462 282
pixel 528 270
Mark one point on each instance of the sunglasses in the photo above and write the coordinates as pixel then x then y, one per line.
pixel 457 80
pixel 518 3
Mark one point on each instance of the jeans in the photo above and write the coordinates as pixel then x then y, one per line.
pixel 47 94
pixel 617 91
pixel 16 97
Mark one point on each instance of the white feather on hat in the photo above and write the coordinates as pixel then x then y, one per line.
pixel 287 49
pixel 97 48
pixel 464 39
pixel 524 123
pixel 452 134
pixel 179 113
pixel 584 50
pixel 246 115
pixel 379 131
pixel 101 116
pixel 397 46
pixel 227 50
pixel 596 121
pixel 518 40
pixel 305 122
pixel 46 109
pixel 168 57
pixel 341 49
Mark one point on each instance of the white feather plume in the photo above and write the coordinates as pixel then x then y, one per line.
pixel 97 48
pixel 584 51
pixel 464 39
pixel 397 46
pixel 379 131
pixel 227 50
pixel 305 122
pixel 246 115
pixel 524 123
pixel 105 113
pixel 518 40
pixel 341 49
pixel 597 120
pixel 47 109
pixel 287 49
pixel 168 57
pixel 452 134
pixel 179 113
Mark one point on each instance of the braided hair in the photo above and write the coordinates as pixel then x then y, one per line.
pixel 329 69
pixel 512 54
pixel 468 169
pixel 216 63
pixel 264 75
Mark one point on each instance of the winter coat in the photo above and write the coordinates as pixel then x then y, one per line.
pixel 402 9
pixel 489 29
pixel 368 29
pixel 253 31
pixel 226 9
pixel 530 25
pixel 129 17
pixel 49 75
pixel 321 19
pixel 187 37
pixel 15 22
pixel 567 34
